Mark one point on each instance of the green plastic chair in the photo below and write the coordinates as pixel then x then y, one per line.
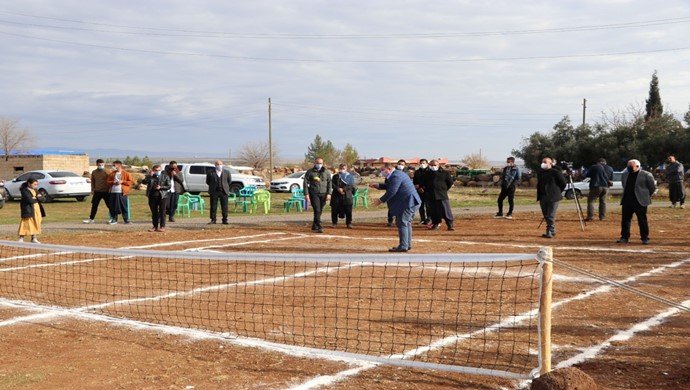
pixel 361 195
pixel 183 205
pixel 297 200
pixel 246 199
pixel 196 202
pixel 262 198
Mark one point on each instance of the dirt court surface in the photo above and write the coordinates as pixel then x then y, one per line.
pixel 623 340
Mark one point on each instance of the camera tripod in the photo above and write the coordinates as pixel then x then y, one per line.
pixel 578 206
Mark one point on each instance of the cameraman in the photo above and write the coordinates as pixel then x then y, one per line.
pixel 550 185
pixel 600 179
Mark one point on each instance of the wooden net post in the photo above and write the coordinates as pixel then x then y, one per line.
pixel 545 257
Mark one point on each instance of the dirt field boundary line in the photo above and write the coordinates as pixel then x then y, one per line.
pixel 329 380
pixel 172 243
pixel 245 243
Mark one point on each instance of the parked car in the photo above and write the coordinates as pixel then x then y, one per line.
pixel 289 183
pixel 52 184
pixel 3 194
pixel 194 177
pixel 582 187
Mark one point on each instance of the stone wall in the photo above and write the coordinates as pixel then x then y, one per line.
pixel 16 165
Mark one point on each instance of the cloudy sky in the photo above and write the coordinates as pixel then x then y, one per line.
pixel 394 78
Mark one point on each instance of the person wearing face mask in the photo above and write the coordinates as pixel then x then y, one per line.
pixel 119 182
pixel 400 166
pixel 318 186
pixel 99 189
pixel 176 189
pixel 550 185
pixel 638 188
pixel 30 214
pixel 675 174
pixel 342 196
pixel 439 181
pixel 419 181
pixel 157 191
pixel 218 181
pixel 510 178
pixel 403 202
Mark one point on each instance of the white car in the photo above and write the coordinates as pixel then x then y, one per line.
pixel 582 187
pixel 51 185
pixel 194 177
pixel 289 183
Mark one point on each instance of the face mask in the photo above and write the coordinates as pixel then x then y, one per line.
pixel 101 167
pixel 545 166
pixel 400 167
pixel 342 172
pixel 219 168
pixel 424 166
pixel 318 166
pixel 157 173
pixel 114 167
pixel 434 168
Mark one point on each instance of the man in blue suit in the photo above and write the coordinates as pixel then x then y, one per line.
pixel 403 203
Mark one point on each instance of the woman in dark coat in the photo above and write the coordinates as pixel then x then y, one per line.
pixel 342 198
pixel 30 214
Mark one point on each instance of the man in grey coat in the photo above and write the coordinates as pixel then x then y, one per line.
pixel 638 188
pixel 675 174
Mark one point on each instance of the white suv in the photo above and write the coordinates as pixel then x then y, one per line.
pixel 194 177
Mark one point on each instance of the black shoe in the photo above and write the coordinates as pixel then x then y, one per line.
pixel 622 240
pixel 389 224
pixel 225 223
pixel 498 215
pixel 434 227
pixel 127 222
pixel 451 228
pixel 211 223
pixel 589 219
pixel 509 216
pixel 171 219
pixel 319 230
pixel 645 241
pixel 547 235
pixel 397 249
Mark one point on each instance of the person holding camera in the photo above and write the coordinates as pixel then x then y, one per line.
pixel 600 179
pixel 157 191
pixel 550 185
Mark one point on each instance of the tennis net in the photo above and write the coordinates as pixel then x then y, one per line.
pixel 476 313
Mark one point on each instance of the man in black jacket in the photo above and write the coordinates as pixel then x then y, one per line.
pixel 176 189
pixel 510 177
pixel 418 180
pixel 218 181
pixel 600 179
pixel 550 185
pixel 317 185
pixel 439 182
pixel 342 196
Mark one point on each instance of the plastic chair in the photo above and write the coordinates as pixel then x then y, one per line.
pixel 361 194
pixel 262 198
pixel 297 200
pixel 196 202
pixel 246 199
pixel 183 205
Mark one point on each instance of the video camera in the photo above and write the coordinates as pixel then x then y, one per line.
pixel 567 167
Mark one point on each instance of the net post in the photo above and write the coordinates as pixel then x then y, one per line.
pixel 545 257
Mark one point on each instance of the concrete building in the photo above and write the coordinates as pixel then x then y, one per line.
pixel 64 160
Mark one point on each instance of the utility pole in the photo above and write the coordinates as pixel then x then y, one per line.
pixel 584 111
pixel 270 143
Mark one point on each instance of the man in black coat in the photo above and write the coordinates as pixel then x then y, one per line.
pixel 600 179
pixel 510 177
pixel 439 181
pixel 317 185
pixel 675 174
pixel 218 181
pixel 419 180
pixel 550 185
pixel 342 196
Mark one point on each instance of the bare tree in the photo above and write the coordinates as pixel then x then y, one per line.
pixel 475 161
pixel 13 137
pixel 256 154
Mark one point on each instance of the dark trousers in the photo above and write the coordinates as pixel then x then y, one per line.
pixel 548 210
pixel 96 199
pixel 118 205
pixel 318 202
pixel 423 211
pixel 222 197
pixel 173 198
pixel 594 194
pixel 676 192
pixel 441 210
pixel 389 217
pixel 345 209
pixel 506 193
pixel 630 208
pixel 158 207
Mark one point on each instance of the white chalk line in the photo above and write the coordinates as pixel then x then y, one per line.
pixel 327 380
pixel 204 248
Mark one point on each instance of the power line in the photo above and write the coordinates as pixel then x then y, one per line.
pixel 345 61
pixel 250 35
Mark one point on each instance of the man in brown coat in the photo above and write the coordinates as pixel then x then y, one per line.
pixel 99 189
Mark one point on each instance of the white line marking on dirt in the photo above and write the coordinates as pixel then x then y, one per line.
pixel 162 244
pixel 329 380
pixel 203 248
